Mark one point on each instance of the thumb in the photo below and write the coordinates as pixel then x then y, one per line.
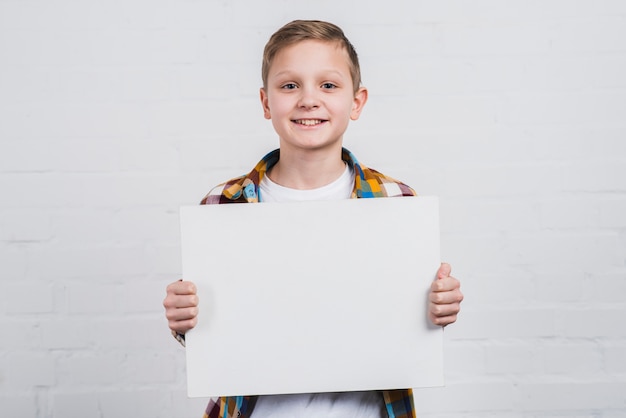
pixel 444 271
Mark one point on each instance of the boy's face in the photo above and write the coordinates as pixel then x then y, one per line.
pixel 310 96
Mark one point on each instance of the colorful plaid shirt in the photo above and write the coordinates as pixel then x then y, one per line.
pixel 245 189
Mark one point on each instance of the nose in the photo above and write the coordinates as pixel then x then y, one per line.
pixel 308 98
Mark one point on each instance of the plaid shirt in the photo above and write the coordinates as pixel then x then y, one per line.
pixel 245 189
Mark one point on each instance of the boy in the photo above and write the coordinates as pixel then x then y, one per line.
pixel 311 90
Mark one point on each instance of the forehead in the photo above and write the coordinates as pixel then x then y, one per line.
pixel 311 54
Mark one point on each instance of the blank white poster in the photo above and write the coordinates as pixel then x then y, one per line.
pixel 308 297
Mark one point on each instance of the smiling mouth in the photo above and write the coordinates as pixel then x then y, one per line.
pixel 309 122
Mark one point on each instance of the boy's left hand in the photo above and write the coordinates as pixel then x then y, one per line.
pixel 445 297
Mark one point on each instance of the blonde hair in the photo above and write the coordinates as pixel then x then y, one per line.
pixel 302 30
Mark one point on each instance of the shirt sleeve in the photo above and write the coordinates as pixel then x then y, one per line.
pixel 179 337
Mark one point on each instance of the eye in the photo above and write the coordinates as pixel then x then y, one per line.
pixel 328 86
pixel 288 86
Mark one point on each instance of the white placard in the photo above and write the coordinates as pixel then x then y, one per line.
pixel 308 297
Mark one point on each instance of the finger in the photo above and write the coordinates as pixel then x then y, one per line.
pixel 182 314
pixel 446 298
pixel 444 271
pixel 445 285
pixel 439 313
pixel 443 320
pixel 182 287
pixel 183 326
pixel 180 301
pixel 441 310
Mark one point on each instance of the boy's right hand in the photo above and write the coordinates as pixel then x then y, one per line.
pixel 181 306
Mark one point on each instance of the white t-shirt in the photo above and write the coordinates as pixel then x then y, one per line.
pixel 368 404
pixel 337 190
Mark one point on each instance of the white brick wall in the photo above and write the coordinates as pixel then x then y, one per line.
pixel 113 114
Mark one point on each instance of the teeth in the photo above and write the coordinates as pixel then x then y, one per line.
pixel 309 122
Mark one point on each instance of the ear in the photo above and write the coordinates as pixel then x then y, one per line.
pixel 360 98
pixel 265 103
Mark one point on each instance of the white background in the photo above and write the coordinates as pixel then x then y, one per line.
pixel 115 113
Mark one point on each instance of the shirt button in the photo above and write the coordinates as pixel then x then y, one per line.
pixel 249 191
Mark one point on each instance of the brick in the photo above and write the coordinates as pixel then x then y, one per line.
pixel 26 155
pixel 478 396
pixel 605 35
pixel 91 369
pixel 480 215
pixel 393 40
pixel 583 250
pixel 617 413
pixel 138 403
pixel 31 190
pixel 560 282
pixel 74 121
pixel 67 334
pixel 165 261
pixel 570 212
pixel 23 332
pixel 503 324
pixel 141 295
pixel 145 224
pixel 148 156
pixel 545 109
pixel 436 111
pixel 456 144
pixel 555 73
pixel 614 354
pixel 27 369
pixel 576 360
pixel 80 225
pixel 510 358
pixel 572 144
pixel 573 396
pixel 72 85
pixel 18 405
pixel 462 358
pixel 93 298
pixel 594 177
pixel 479 288
pixel 81 403
pixel 13 258
pixel 501 180
pixel 598 322
pixel 605 70
pixel 27 297
pixel 186 406
pixel 92 262
pixel 467 251
pixel 115 191
pixel 75 404
pixel 612 213
pixel 199 83
pixel 494 10
pixel 490 39
pixel 607 287
pixel 150 368
pixel 132 333
pixel 468 74
pixel 205 156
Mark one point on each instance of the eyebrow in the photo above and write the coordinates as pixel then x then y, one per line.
pixel 324 72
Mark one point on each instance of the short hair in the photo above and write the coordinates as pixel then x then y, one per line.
pixel 303 30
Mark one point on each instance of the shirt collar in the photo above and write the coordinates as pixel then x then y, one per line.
pixel 248 186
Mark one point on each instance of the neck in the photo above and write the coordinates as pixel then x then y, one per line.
pixel 308 169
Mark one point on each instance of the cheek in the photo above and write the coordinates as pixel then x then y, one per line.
pixel 346 108
pixel 278 107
